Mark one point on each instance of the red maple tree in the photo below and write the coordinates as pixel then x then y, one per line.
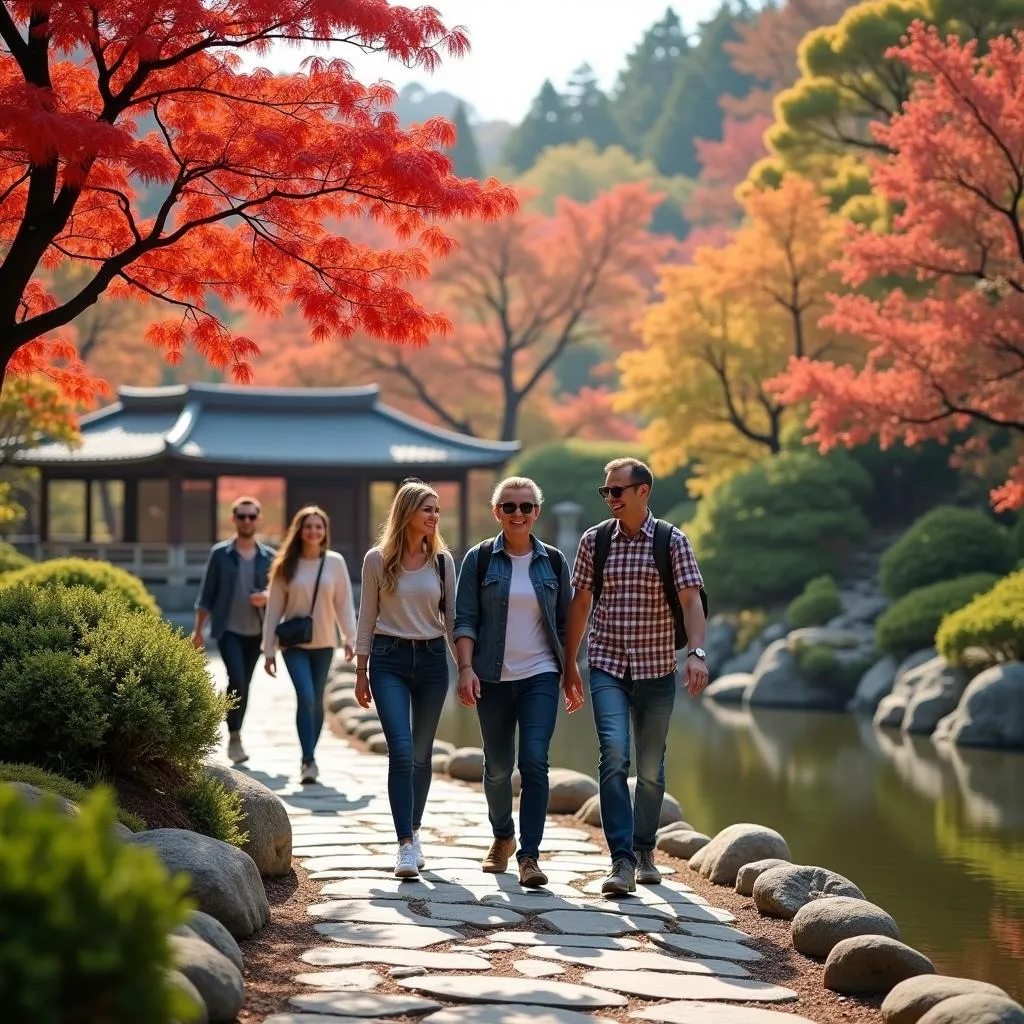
pixel 132 141
pixel 948 346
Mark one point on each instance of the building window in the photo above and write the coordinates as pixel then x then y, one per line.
pixel 269 491
pixel 107 511
pixel 197 501
pixel 66 511
pixel 154 510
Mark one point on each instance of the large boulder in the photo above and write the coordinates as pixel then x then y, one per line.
pixel 749 873
pixel 779 683
pixel 682 844
pixel 719 642
pixel 781 891
pixel 975 1009
pixel 265 819
pixel 177 981
pixel 367 729
pixel 341 699
pixel 737 845
pixel 32 795
pixel 377 743
pixel 875 684
pixel 670 810
pixel 824 636
pixel 821 924
pixel 872 965
pixel 730 689
pixel 212 932
pixel 215 977
pixel 890 711
pixel 568 791
pixel 467 764
pixel 590 812
pixel 224 881
pixel 911 999
pixel 991 710
pixel 743 663
pixel 937 692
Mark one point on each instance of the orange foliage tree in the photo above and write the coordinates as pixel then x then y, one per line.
pixel 947 349
pixel 132 142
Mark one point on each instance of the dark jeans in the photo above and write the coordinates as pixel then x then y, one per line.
pixel 647 703
pixel 532 704
pixel 241 655
pixel 308 668
pixel 409 683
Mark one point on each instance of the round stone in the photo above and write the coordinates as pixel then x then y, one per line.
pixel 910 1000
pixel 975 1009
pixel 819 925
pixel 513 990
pixel 872 964
pixel 782 890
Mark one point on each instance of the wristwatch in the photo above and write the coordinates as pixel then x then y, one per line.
pixel 699 651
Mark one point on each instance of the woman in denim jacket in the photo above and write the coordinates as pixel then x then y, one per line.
pixel 513 595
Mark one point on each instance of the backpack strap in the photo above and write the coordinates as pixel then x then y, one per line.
pixel 483 560
pixel 663 561
pixel 602 545
pixel 557 560
pixel 442 572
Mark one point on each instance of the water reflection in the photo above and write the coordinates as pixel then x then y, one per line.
pixel 934 836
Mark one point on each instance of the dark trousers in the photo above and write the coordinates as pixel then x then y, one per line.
pixel 241 655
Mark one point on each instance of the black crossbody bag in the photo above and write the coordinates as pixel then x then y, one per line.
pixel 299 630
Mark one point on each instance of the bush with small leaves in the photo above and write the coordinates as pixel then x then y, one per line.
pixel 992 624
pixel 11 559
pixel 85 919
pixel 86 572
pixel 819 602
pixel 818 662
pixel 944 544
pixel 910 623
pixel 215 811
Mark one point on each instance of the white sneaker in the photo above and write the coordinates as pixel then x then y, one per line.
pixel 405 863
pixel 310 772
pixel 236 752
pixel 418 847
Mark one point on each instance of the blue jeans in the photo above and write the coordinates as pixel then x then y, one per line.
pixel 648 704
pixel 308 668
pixel 409 684
pixel 241 655
pixel 532 704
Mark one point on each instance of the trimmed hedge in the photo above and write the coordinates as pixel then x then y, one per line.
pixel 85 919
pixel 993 622
pixel 86 572
pixel 764 533
pixel 819 602
pixel 11 559
pixel 944 544
pixel 910 623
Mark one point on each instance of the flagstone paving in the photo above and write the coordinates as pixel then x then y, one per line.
pixel 482 949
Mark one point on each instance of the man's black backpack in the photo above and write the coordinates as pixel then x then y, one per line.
pixel 483 559
pixel 662 559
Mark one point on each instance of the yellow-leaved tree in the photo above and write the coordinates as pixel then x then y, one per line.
pixel 727 323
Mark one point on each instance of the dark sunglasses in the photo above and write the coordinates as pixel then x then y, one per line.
pixel 616 492
pixel 526 507
pixel 243 516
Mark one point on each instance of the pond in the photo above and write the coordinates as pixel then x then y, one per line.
pixel 937 840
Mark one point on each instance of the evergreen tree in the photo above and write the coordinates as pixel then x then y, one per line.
pixel 692 110
pixel 590 115
pixel 464 154
pixel 547 124
pixel 646 81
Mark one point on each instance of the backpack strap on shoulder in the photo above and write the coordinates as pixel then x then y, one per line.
pixel 663 560
pixel 557 560
pixel 483 560
pixel 602 545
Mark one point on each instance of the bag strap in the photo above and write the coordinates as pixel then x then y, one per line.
pixel 663 561
pixel 316 589
pixel 557 560
pixel 442 572
pixel 483 560
pixel 602 545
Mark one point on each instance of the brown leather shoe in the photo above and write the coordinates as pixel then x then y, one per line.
pixel 497 857
pixel 530 874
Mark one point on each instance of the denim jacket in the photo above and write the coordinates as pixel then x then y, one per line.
pixel 218 585
pixel 482 613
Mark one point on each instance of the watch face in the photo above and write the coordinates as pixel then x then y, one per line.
pixel 699 651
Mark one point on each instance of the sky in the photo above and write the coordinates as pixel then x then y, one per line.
pixel 512 53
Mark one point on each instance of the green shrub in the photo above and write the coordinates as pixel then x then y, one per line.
pixel 573 470
pixel 30 775
pixel 818 662
pixel 993 622
pixel 944 544
pixel 85 920
pixel 762 534
pixel 11 559
pixel 910 623
pixel 819 602
pixel 86 572
pixel 215 811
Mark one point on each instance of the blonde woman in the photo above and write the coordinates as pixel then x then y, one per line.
pixel 406 615
pixel 310 601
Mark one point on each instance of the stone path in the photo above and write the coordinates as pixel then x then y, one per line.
pixel 380 948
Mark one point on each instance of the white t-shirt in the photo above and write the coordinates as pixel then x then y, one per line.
pixel 527 648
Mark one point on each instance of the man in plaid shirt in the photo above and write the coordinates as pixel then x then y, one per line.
pixel 632 663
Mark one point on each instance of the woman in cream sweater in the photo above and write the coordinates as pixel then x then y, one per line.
pixel 304 559
pixel 406 617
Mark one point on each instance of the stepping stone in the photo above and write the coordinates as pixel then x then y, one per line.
pixel 397 889
pixel 696 946
pixel 566 941
pixel 582 922
pixel 655 985
pixel 537 969
pixel 397 936
pixel 362 1004
pixel 307 850
pixel 667 891
pixel 564 845
pixel 533 901
pixel 479 915
pixel 496 1014
pixel 513 990
pixel 312 1018
pixel 677 911
pixel 396 912
pixel 632 960
pixel 354 980
pixel 724 932
pixel 384 861
pixel 507 882
pixel 714 1013
pixel 349 956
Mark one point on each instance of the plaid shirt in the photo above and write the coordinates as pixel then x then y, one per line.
pixel 633 627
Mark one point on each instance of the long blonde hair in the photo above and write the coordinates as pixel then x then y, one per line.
pixel 287 560
pixel 391 540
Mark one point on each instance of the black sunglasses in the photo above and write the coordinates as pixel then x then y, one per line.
pixel 526 507
pixel 616 492
pixel 247 515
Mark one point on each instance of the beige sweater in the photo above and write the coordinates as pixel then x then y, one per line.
pixel 334 605
pixel 410 611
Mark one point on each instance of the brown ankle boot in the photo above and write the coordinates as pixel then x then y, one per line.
pixel 530 874
pixel 497 857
